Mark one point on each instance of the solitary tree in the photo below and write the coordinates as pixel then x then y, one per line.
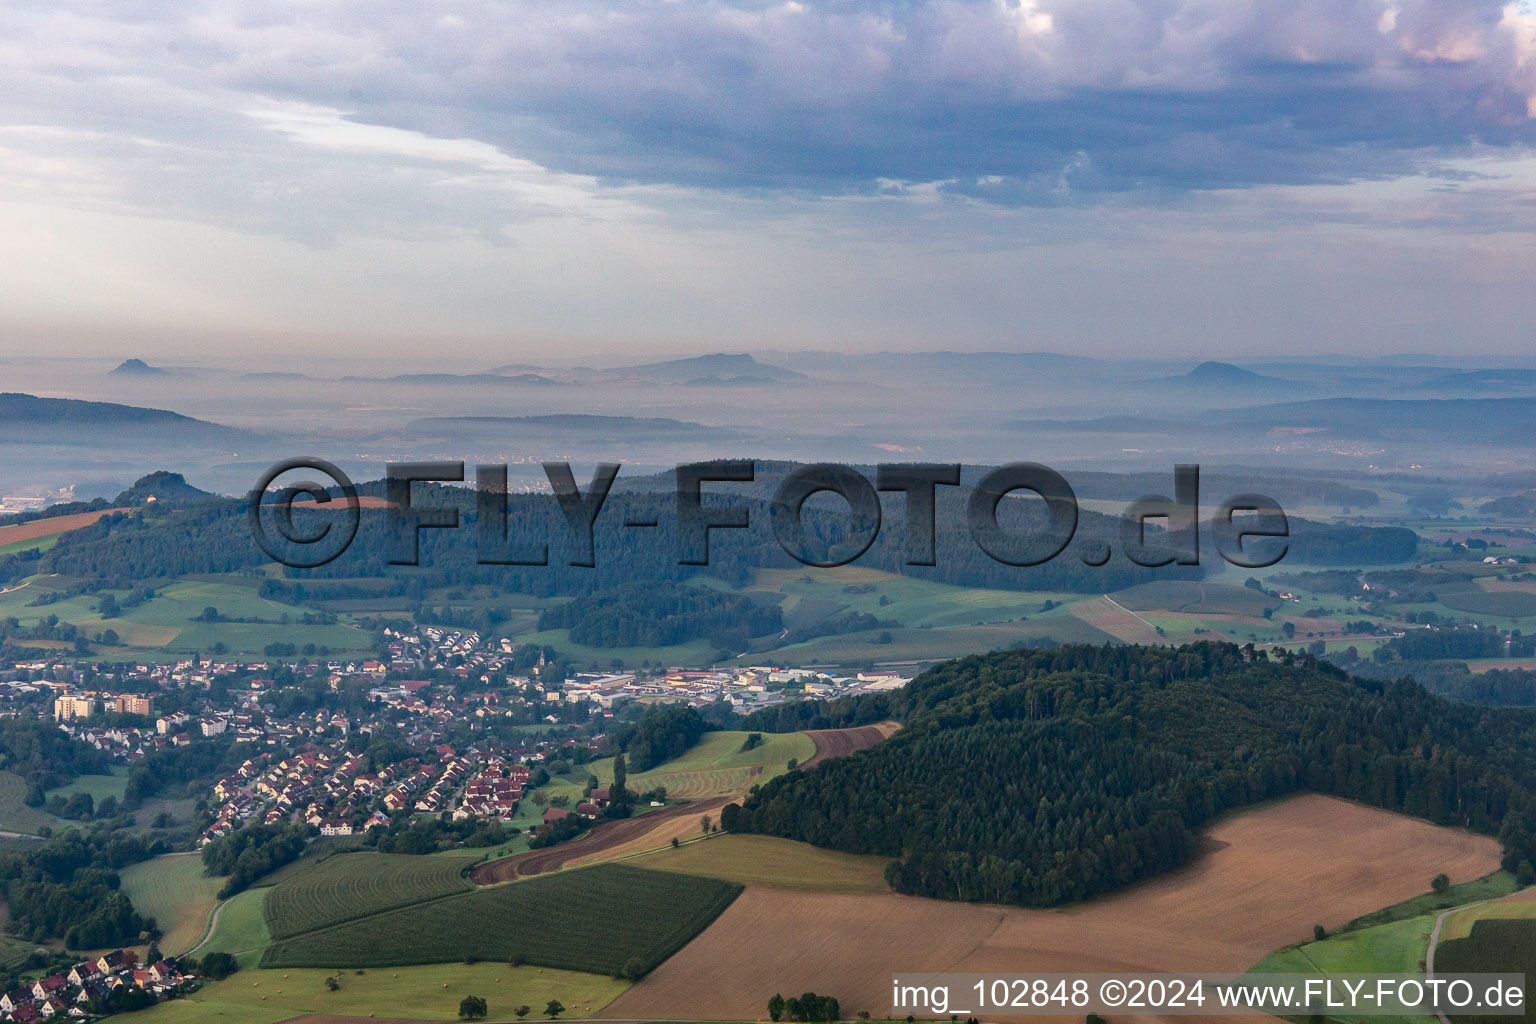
pixel 472 1008
pixel 1441 882
pixel 1319 932
pixel 554 1009
pixel 521 1011
pixel 634 968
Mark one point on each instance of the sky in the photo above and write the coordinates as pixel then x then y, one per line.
pixel 507 180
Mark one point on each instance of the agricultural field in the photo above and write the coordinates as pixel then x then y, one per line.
pixel 174 891
pixel 352 885
pixel 166 622
pixel 418 993
pixel 15 815
pixel 99 786
pixel 239 927
pixel 14 952
pixel 771 863
pixel 910 645
pixel 1520 905
pixel 807 595
pixel 42 534
pixel 594 919
pixel 1196 598
pixel 716 766
pixel 1495 944
pixel 1271 873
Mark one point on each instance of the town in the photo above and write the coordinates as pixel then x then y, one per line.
pixel 468 727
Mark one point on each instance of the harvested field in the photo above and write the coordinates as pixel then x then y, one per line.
pixel 1272 873
pixel 842 742
pixel 772 863
pixel 1107 614
pixel 37 528
pixel 1195 598
pixel 602 842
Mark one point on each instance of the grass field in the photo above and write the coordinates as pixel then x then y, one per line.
pixel 1513 604
pixel 166 621
pixel 99 786
pixel 917 644
pixel 240 928
pixel 15 815
pixel 1197 598
pixel 1395 948
pixel 715 766
pixel 593 919
pixel 1489 887
pixel 774 863
pixel 14 952
pixel 352 885
pixel 1459 925
pixel 174 891
pixel 416 993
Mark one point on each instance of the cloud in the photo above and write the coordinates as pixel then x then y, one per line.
pixel 1141 96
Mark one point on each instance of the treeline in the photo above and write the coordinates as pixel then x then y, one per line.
pixel 68 889
pixel 160 770
pixel 794 716
pixel 1042 777
pixel 45 756
pixel 1333 544
pixel 660 615
pixel 1457 643
pixel 663 733
pixel 252 852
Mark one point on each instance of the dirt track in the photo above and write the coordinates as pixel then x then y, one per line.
pixel 598 839
pixel 842 742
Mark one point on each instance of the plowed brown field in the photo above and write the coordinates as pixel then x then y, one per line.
pixel 48 527
pixel 602 842
pixel 842 742
pixel 1271 874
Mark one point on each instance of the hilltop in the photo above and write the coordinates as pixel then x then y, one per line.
pixel 1043 777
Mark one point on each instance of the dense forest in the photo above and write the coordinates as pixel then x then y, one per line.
pixel 660 615
pixel 68 889
pixel 663 733
pixel 45 756
pixel 1041 777
pixel 252 852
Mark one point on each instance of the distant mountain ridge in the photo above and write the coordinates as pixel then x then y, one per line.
pixel 720 367
pixel 28 417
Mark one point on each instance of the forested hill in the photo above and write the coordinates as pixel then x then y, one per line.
pixel 1041 777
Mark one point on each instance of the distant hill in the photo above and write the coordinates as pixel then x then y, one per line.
pixel 1502 421
pixel 1224 378
pixel 453 379
pixel 721 368
pixel 67 420
pixel 1484 380
pixel 136 368
pixel 163 488
pixel 568 426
